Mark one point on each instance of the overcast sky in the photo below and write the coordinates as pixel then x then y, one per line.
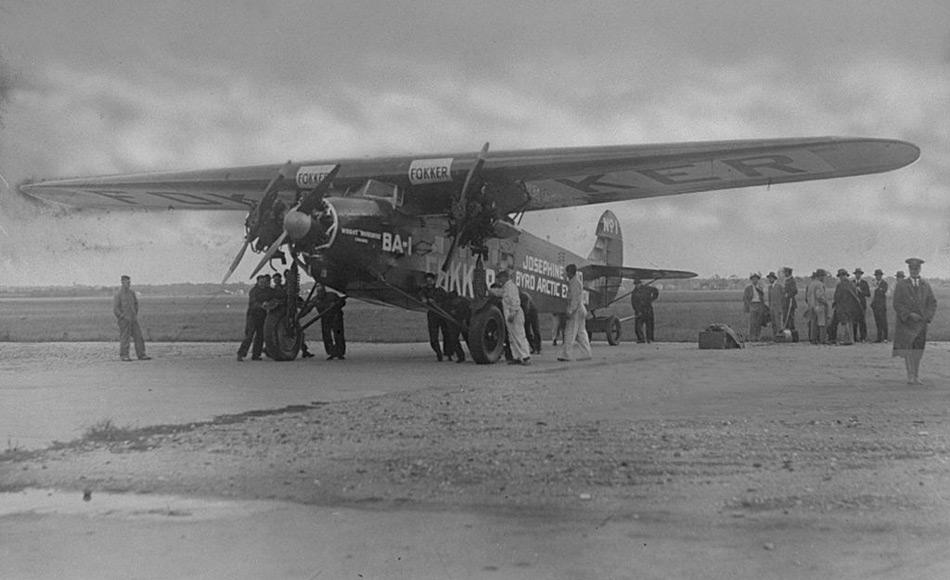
pixel 102 86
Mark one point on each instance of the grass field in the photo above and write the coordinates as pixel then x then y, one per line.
pixel 680 315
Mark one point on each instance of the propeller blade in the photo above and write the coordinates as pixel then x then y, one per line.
pixel 471 173
pixel 460 208
pixel 270 194
pixel 269 254
pixel 237 260
pixel 309 202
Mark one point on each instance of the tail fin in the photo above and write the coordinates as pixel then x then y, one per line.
pixel 608 250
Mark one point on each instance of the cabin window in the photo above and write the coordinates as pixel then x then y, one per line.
pixel 382 190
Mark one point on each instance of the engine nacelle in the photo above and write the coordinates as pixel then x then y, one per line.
pixel 362 219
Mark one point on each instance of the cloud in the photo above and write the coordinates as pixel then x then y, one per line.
pixel 291 81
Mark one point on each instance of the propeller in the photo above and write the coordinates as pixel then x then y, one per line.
pixel 460 210
pixel 269 253
pixel 270 195
pixel 307 204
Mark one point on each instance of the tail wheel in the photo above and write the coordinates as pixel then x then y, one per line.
pixel 281 338
pixel 613 331
pixel 486 335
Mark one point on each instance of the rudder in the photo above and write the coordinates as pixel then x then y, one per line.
pixel 608 250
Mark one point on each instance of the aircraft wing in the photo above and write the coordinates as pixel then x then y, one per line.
pixel 594 271
pixel 577 177
pixel 551 178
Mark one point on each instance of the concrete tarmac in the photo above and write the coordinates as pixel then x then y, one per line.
pixel 54 391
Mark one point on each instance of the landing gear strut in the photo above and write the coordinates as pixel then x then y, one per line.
pixel 283 336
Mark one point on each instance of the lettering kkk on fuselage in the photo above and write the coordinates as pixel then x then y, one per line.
pixel 541 277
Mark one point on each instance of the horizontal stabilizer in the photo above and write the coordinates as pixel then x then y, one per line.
pixel 592 271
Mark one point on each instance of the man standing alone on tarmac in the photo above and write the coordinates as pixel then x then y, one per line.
pixel 915 306
pixel 254 320
pixel 576 330
pixel 125 306
pixel 642 299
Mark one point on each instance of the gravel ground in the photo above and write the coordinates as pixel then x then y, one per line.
pixel 818 437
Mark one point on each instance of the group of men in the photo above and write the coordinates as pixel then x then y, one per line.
pixel 447 312
pixel 444 312
pixel 264 296
pixel 771 303
pixel 843 319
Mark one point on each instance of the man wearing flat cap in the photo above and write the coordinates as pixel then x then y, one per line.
pixel 879 305
pixel 125 306
pixel 914 306
pixel 860 322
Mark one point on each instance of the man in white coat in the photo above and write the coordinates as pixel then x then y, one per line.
pixel 514 320
pixel 576 330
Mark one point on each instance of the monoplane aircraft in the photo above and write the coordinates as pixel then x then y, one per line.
pixel 372 228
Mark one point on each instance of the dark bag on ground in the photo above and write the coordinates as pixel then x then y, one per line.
pixel 719 336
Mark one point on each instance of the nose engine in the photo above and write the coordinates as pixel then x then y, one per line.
pixel 314 230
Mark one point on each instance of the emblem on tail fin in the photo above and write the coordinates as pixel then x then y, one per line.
pixel 607 251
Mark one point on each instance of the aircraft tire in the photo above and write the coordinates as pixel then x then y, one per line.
pixel 486 335
pixel 281 342
pixel 613 331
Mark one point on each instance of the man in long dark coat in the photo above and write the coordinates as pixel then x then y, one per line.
pixel 847 307
pixel 914 306
pixel 879 305
pixel 860 323
pixel 641 299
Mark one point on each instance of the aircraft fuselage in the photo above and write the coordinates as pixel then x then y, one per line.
pixel 382 256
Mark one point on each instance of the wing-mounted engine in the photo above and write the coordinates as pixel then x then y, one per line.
pixel 480 205
pixel 313 229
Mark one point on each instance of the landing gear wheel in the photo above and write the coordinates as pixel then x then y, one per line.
pixel 281 339
pixel 486 335
pixel 613 331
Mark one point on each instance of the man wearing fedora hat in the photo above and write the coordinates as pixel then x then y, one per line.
pixel 879 305
pixel 860 322
pixel 816 307
pixel 914 306
pixel 847 307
